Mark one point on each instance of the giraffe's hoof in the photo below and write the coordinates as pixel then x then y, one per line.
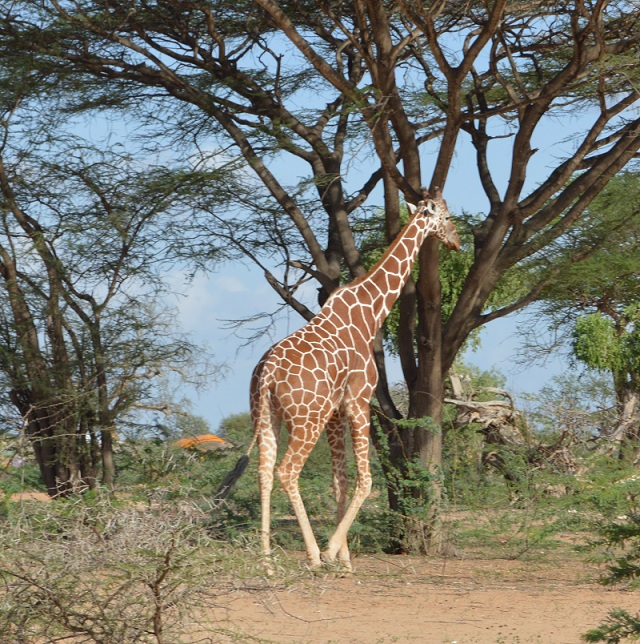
pixel 314 563
pixel 338 567
pixel 346 569
pixel 268 566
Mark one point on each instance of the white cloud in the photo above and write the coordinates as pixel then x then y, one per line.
pixel 230 283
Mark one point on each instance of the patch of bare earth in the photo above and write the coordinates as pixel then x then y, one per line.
pixel 30 495
pixel 412 599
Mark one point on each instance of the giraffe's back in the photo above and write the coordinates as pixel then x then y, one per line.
pixel 304 374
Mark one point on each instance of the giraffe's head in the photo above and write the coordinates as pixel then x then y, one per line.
pixel 435 208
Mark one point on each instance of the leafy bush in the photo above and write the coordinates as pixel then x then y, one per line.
pixel 618 626
pixel 621 542
pixel 18 470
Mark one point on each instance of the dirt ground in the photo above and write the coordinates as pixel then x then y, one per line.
pixel 410 599
pixel 547 598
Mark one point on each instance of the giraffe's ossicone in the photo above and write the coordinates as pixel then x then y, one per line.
pixel 322 377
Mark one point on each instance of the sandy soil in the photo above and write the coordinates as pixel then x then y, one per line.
pixel 405 599
pixel 30 495
pixel 552 598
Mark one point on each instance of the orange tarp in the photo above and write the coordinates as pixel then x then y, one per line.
pixel 203 442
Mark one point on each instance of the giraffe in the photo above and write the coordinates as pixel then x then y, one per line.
pixel 323 377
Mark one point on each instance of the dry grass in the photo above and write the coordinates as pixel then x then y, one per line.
pixel 96 570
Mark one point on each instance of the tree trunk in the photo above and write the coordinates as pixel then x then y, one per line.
pixel 626 435
pixel 417 444
pixel 51 450
pixel 426 398
pixel 43 449
pixel 108 464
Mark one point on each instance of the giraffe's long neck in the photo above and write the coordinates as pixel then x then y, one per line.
pixel 375 292
pixel 389 275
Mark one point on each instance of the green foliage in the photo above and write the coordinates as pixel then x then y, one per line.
pixel 598 344
pixel 26 476
pixel 149 461
pixel 484 512
pixel 514 517
pixel 618 626
pixel 154 464
pixel 416 489
pixel 528 497
pixel 606 491
pixel 480 379
pixel 467 481
pixel 465 478
pixel 237 429
pixel 620 542
pixel 375 527
pixel 622 537
pixel 518 518
pixel 597 264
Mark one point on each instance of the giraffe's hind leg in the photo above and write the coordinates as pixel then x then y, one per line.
pixel 336 435
pixel 267 449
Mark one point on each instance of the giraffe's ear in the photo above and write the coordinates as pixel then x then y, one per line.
pixel 412 208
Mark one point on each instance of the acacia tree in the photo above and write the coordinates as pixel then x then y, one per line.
pixel 609 340
pixel 323 85
pixel 84 336
pixel 591 307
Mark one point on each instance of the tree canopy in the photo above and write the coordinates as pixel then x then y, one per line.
pixel 85 335
pixel 592 305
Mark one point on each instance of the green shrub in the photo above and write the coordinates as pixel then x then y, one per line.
pixel 620 544
pixel 618 626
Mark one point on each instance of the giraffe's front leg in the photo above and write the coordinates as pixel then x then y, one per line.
pixel 359 420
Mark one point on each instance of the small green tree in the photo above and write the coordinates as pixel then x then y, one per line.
pixel 610 341
pixel 622 537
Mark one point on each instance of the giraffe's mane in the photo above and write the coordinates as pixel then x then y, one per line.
pixel 389 250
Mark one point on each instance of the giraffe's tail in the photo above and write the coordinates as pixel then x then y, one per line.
pixel 231 478
pixel 229 481
pixel 260 416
